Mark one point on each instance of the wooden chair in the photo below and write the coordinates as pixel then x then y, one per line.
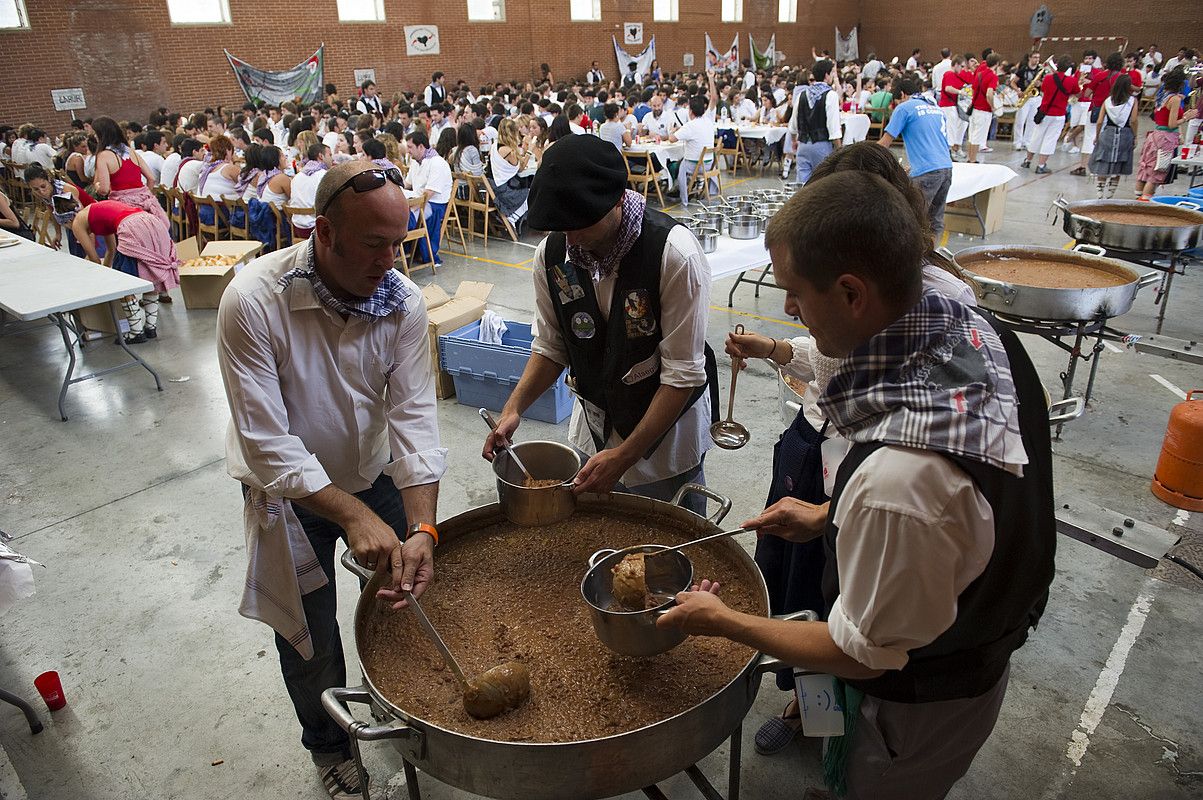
pixel 699 182
pixel 288 212
pixel 878 127
pixel 232 204
pixel 1005 130
pixel 642 177
pixel 1146 105
pixel 452 216
pixel 211 232
pixel 481 199
pixel 492 200
pixel 415 235
pixel 41 224
pixel 733 154
pixel 176 214
pixel 283 227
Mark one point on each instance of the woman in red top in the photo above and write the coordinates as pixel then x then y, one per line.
pixel 121 174
pixel 138 244
pixel 1167 117
pixel 1056 91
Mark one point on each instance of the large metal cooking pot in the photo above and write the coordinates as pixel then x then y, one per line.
pixel 1034 302
pixel 634 633
pixel 707 238
pixel 582 770
pixel 1080 225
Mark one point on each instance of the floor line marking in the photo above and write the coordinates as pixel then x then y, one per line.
pixel 520 265
pixel 1104 687
pixel 944 238
pixel 1112 347
pixel 1181 394
pixel 749 314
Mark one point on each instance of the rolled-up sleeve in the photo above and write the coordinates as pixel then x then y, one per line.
pixel 799 365
pixel 684 310
pixel 914 531
pixel 546 338
pixel 413 425
pixel 271 456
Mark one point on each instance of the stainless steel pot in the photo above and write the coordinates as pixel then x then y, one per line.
pixel 634 633
pixel 523 505
pixel 741 204
pixel 582 770
pixel 744 226
pixel 1034 302
pixel 708 238
pixel 712 219
pixel 1080 225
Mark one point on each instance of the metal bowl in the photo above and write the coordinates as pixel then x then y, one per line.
pixel 530 506
pixel 708 238
pixel 634 633
pixel 744 226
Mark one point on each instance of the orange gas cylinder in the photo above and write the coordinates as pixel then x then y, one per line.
pixel 1178 479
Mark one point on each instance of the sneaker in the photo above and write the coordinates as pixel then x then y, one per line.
pixel 342 782
pixel 1027 163
pixel 1042 170
pixel 985 149
pixel 1073 151
pixel 1078 172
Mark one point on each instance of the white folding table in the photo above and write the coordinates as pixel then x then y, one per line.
pixel 37 282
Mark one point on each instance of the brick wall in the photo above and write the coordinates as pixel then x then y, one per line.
pixel 129 59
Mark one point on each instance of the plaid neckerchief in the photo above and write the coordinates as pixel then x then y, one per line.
pixel 314 167
pixel 633 206
pixel 938 379
pixel 389 296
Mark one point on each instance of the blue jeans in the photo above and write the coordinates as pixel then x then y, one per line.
pixel 326 742
pixel 808 157
pixel 434 229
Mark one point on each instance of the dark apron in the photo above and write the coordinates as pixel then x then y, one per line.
pixel 794 572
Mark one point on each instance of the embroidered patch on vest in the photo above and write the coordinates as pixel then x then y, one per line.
pixel 639 318
pixel 583 326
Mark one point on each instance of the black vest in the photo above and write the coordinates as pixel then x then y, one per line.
pixel 994 612
pixel 613 361
pixel 812 120
pixel 437 93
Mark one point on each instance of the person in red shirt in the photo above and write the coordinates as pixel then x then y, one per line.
pixel 1099 83
pixel 1056 91
pixel 985 82
pixel 950 87
pixel 1132 70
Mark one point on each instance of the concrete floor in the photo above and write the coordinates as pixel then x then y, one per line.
pixel 129 506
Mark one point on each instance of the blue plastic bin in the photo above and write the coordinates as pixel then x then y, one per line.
pixel 486 374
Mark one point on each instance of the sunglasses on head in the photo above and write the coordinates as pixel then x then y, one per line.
pixel 365 181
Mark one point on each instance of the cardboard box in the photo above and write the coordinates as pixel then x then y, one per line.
pixel 98 318
pixel 959 216
pixel 447 314
pixel 202 286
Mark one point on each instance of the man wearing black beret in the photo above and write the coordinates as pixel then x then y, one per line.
pixel 622 294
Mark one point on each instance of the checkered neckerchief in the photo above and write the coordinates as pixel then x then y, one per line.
pixel 939 379
pixel 389 296
pixel 629 229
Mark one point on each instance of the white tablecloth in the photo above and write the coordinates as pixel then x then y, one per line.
pixel 36 281
pixel 856 127
pixel 969 179
pixel 734 256
pixel 770 133
pixel 665 151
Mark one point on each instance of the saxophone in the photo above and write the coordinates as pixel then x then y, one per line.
pixel 1034 87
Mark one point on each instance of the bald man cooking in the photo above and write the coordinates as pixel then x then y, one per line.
pixel 323 352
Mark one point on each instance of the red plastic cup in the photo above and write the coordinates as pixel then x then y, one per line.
pixel 51 689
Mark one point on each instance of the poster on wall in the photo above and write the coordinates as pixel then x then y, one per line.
pixel 421 40
pixel 687 60
pixel 303 83
pixel 719 62
pixel 362 75
pixel 68 99
pixel 632 33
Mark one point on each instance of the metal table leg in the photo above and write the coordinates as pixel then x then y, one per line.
pixel 735 764
pixel 411 781
pixel 35 724
pixel 67 330
pixel 1162 297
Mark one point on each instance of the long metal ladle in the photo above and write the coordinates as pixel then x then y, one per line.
pixel 488 418
pixel 727 433
pixel 495 690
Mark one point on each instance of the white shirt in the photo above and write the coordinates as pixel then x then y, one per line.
pixel 749 80
pixel 171 165
pixel 912 64
pixel 779 95
pixel 577 129
pixel 697 134
pixel 663 125
pixel 432 172
pixel 332 139
pixel 188 175
pixel 937 73
pixel 436 130
pixel 21 151
pixel 596 76
pixel 319 400
pixel 914 533
pixel 279 132
pixel 871 69
pixel 154 163
pixel 746 109
pixel 832 102
pixel 304 195
pixel 367 104
pixel 43 154
pixel 685 300
pixel 428 96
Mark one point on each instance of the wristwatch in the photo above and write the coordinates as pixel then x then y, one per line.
pixel 423 527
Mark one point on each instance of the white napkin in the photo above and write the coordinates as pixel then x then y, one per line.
pixel 492 328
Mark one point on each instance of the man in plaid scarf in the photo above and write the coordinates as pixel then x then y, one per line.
pixel 940 532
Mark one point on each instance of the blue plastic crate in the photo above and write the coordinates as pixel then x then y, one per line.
pixel 486 374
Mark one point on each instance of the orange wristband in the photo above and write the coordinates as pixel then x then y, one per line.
pixel 422 527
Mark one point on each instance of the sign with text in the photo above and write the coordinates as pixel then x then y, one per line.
pixel 68 99
pixel 362 75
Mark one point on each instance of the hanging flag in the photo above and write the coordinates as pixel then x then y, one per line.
pixel 846 47
pixel 304 83
pixel 728 61
pixel 643 61
pixel 768 58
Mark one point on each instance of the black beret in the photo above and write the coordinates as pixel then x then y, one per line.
pixel 580 179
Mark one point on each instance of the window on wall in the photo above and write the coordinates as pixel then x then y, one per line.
pixel 585 9
pixel 787 11
pixel 486 10
pixel 733 10
pixel 665 11
pixel 361 10
pixel 12 15
pixel 198 12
